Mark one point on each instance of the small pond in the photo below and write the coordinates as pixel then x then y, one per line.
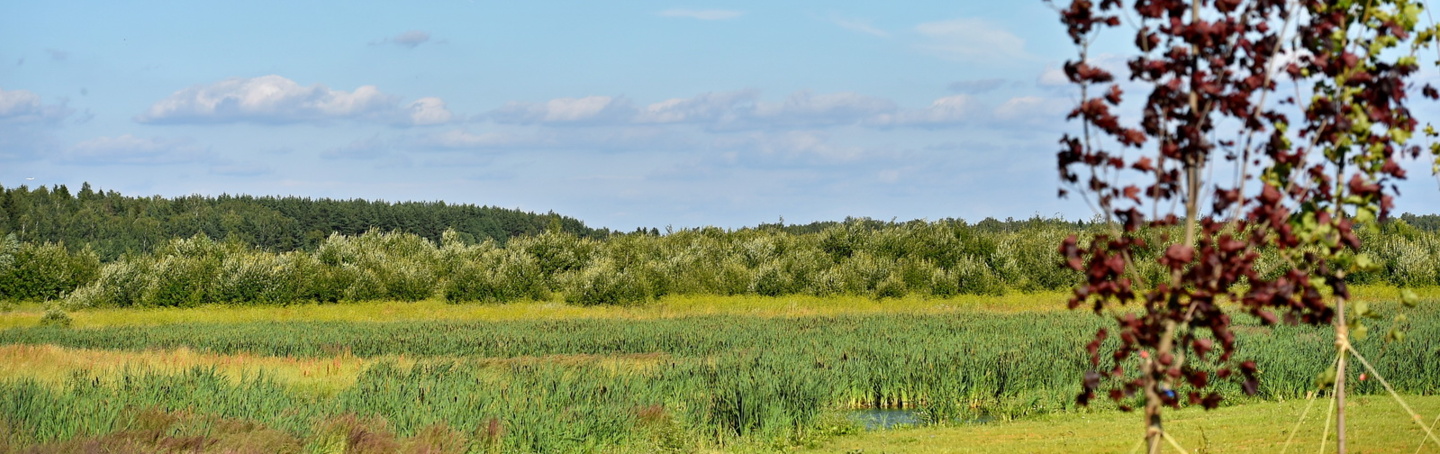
pixel 885 418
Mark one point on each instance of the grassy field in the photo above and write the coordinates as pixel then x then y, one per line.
pixel 669 307
pixel 1377 425
pixel 683 374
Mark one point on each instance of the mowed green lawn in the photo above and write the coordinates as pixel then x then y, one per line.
pixel 1377 425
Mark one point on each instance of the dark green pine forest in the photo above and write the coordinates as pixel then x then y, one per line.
pixel 113 224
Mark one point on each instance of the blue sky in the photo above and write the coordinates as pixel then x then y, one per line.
pixel 622 114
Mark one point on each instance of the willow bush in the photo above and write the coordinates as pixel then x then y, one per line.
pixel 487 273
pixel 861 257
pixel 38 272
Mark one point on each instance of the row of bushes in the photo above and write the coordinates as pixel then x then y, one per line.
pixel 856 258
pixel 621 270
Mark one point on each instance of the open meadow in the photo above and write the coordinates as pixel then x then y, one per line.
pixel 315 250
pixel 682 374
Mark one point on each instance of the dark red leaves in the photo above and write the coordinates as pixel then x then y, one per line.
pixel 1212 401
pixel 1080 18
pixel 1114 96
pixel 1360 187
pixel 1085 73
pixel 1266 317
pixel 1198 82
pixel 1132 137
pixel 1133 193
pixel 1143 164
pixel 1177 256
pixel 1071 252
pixel 1198 378
pixel 1347 234
pixel 1202 347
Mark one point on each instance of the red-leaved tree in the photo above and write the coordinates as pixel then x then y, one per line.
pixel 1261 124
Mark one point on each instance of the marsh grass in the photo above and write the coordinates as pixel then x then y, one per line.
pixel 55 366
pixel 680 374
pixel 674 306
pixel 317 377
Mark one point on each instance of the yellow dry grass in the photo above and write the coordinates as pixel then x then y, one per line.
pixel 673 306
pixel 54 365
pixel 668 307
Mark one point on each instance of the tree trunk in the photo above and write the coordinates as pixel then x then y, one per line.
pixel 1342 345
pixel 1154 431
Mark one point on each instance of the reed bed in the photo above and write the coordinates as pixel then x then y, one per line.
pixel 638 384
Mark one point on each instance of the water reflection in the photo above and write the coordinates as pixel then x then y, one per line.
pixel 884 418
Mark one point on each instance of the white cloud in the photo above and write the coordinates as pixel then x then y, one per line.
pixel 461 139
pixel 1053 77
pixel 973 40
pixel 23 106
pixel 28 126
pixel 428 111
pixel 808 145
pixel 888 176
pixel 128 149
pixel 629 138
pixel 858 25
pixel 805 108
pixel 1034 109
pixel 721 106
pixel 14 103
pixel 947 111
pixel 411 38
pixel 275 99
pixel 740 111
pixel 978 85
pixel 370 148
pixel 702 14
pixel 587 110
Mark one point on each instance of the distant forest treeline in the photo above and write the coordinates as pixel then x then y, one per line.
pixel 113 224
pixel 121 251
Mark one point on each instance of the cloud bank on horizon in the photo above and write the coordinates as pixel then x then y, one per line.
pixel 643 114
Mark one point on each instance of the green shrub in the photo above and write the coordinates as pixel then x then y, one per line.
pixel 120 284
pixel 364 284
pixel 974 278
pixel 243 278
pixel 770 280
pixel 893 286
pixel 494 276
pixel 408 280
pixel 606 283
pixel 55 317
pixel 556 253
pixel 39 272
pixel 1410 263
pixel 178 282
pixel 378 265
